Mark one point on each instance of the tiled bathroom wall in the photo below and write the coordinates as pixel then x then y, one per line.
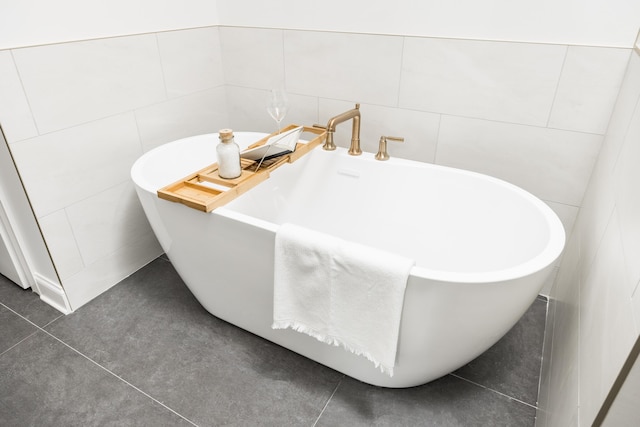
pixel 595 304
pixel 77 115
pixel 532 114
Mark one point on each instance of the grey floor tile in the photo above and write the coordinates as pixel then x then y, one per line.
pixel 512 365
pixel 152 332
pixel 446 402
pixel 26 303
pixel 45 383
pixel 13 329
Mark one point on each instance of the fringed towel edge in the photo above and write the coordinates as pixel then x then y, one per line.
pixel 299 327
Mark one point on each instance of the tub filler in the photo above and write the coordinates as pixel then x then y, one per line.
pixel 483 247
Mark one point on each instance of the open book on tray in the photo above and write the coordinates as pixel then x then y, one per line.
pixel 276 146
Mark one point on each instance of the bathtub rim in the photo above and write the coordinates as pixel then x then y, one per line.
pixel 525 269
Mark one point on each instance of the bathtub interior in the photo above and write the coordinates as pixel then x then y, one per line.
pixel 450 221
pixel 446 219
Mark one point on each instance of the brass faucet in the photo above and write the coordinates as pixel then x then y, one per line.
pixel 354 114
pixel 382 149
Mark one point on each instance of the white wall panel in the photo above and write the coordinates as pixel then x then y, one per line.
pixel 191 60
pixel 586 22
pixel 37 22
pixel 15 113
pixel 343 66
pixel 588 88
pixel 89 80
pixel 554 165
pixel 62 168
pixel 510 82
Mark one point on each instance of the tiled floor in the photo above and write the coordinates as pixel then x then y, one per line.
pixel 145 353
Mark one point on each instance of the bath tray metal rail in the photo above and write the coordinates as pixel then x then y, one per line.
pixel 204 190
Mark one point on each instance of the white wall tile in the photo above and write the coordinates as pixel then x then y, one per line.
pixel 622 113
pixel 61 243
pixel 106 272
pixel 552 164
pixel 567 296
pixel 252 57
pixel 247 110
pixel 566 414
pixel 588 88
pixel 607 330
pixel 560 377
pixel 15 113
pixel 108 221
pixel 73 83
pixel 512 82
pixel 198 113
pixel 562 373
pixel 597 205
pixel 418 128
pixel 343 66
pixel 596 247
pixel 62 168
pixel 191 60
pixel 627 195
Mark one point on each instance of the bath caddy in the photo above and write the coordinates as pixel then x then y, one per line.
pixel 204 190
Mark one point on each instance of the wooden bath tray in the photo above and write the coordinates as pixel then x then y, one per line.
pixel 204 190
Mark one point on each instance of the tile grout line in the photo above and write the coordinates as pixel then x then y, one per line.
pixel 18 343
pixel 118 377
pixel 90 360
pixel 494 391
pixel 328 401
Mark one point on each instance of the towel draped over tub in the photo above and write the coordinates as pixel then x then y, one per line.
pixel 340 292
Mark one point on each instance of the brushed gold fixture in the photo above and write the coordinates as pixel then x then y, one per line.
pixel 382 149
pixel 354 114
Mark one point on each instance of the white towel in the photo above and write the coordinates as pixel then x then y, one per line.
pixel 340 292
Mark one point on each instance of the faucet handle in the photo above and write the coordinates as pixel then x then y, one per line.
pixel 382 149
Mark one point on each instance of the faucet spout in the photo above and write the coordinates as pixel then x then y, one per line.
pixel 354 114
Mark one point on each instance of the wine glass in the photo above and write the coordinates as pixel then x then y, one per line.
pixel 277 105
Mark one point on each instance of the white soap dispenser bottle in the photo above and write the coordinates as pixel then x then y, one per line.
pixel 228 155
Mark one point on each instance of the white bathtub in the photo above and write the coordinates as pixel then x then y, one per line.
pixel 483 247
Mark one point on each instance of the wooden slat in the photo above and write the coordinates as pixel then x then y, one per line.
pixel 190 192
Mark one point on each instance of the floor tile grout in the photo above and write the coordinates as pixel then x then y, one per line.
pixel 41 329
pixel 118 377
pixel 328 401
pixel 18 343
pixel 494 391
pixel 52 321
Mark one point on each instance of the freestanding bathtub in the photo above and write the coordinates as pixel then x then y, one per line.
pixel 483 247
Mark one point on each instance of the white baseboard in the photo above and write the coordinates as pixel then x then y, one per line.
pixel 52 294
